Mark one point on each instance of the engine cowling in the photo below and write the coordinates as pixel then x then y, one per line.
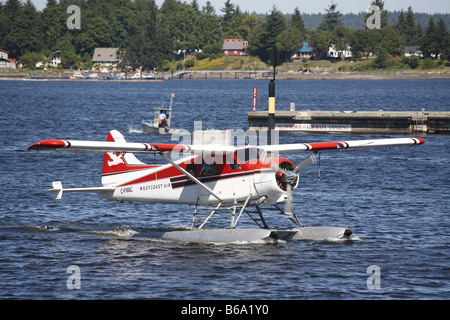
pixel 273 184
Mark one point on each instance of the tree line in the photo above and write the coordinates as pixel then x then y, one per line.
pixel 148 35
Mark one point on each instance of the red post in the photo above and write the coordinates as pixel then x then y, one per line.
pixel 255 92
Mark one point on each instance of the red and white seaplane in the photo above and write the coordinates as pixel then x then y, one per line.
pixel 212 176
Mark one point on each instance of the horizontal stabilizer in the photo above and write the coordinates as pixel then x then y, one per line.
pixel 58 189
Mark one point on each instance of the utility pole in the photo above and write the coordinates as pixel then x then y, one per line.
pixel 271 115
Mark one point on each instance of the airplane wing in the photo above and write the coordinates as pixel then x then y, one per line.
pixel 106 146
pixel 355 144
pixel 133 147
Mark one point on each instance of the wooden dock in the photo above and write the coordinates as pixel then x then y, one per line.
pixel 395 122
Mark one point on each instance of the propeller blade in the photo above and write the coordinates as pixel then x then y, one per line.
pixel 309 160
pixel 289 209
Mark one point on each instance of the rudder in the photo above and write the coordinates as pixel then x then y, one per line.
pixel 115 164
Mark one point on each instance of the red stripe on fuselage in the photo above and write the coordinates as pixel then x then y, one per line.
pixel 179 180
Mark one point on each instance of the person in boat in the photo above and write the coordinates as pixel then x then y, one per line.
pixel 162 119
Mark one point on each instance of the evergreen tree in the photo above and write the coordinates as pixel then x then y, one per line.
pixel 288 42
pixel 31 28
pixel 401 27
pixel 264 37
pixel 298 23
pixel 146 48
pixel 225 22
pixel 257 45
pixel 384 14
pixel 318 41
pixel 209 26
pixel 332 19
pixel 194 5
pixel 411 31
pixel 443 45
pixel 208 9
pixel 22 28
pixel 377 36
pixel 390 40
pixel 97 34
pixel 119 16
pixel 430 41
pixel 244 25
pixel 10 20
pixel 168 22
pixel 54 24
pixel 234 25
pixel 360 43
pixel 381 62
pixel 187 30
pixel 276 24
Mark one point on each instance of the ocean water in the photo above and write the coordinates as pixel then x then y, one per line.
pixel 396 201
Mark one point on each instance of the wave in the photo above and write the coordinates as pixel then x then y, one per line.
pixel 42 228
pixel 122 232
pixel 132 129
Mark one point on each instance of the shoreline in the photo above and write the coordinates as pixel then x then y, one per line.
pixel 246 74
pixel 249 74
pixel 367 76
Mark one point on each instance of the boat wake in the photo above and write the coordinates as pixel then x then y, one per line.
pixel 122 232
pixel 132 129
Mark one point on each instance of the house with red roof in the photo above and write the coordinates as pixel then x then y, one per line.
pixel 5 61
pixel 234 47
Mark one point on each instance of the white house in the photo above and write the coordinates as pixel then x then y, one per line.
pixel 412 51
pixel 339 54
pixel 54 59
pixel 106 57
pixel 5 61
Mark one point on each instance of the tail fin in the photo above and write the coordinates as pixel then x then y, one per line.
pixel 116 165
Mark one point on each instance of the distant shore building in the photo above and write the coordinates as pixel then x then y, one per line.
pixel 339 54
pixel 412 51
pixel 106 57
pixel 234 47
pixel 54 60
pixel 304 52
pixel 5 61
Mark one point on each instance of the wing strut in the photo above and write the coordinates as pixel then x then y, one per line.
pixel 190 176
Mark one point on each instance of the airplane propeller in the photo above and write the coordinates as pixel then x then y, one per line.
pixel 287 175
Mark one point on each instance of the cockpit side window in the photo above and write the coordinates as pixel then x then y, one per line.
pixel 248 155
pixel 233 162
pixel 209 170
